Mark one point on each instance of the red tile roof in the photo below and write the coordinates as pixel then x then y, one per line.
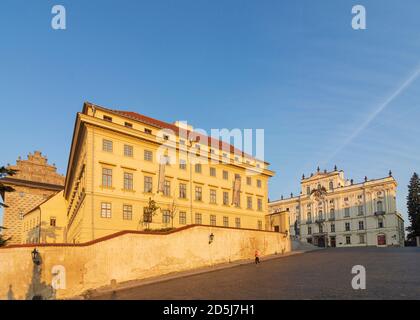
pixel 211 142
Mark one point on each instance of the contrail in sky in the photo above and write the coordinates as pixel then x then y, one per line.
pixel 375 113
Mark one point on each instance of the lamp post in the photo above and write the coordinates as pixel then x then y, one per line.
pixel 211 238
pixel 36 257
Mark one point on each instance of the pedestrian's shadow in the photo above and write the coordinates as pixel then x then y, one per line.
pixel 10 294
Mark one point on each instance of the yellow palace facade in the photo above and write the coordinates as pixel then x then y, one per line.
pixel 127 171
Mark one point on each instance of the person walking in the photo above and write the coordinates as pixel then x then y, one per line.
pixel 257 256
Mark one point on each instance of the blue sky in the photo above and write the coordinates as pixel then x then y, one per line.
pixel 294 68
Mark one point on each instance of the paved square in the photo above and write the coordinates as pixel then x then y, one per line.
pixel 391 273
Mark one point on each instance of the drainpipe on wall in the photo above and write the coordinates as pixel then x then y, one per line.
pixel 40 221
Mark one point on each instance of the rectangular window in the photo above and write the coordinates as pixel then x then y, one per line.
pixel 198 168
pixel 166 216
pixel 148 131
pixel 53 221
pixel 212 220
pixel 347 212
pixel 107 145
pixel 128 181
pixel 258 183
pixel 332 227
pixel 198 218
pixel 361 238
pixel 249 202
pixel 182 190
pixel 347 225
pixel 128 150
pixel 167 188
pixel 128 124
pixel 148 184
pixel 213 172
pixel 237 222
pixel 348 240
pixel 198 194
pixel 225 198
pixel 259 225
pixel 182 164
pixel 105 210
pixel 380 223
pixel 106 177
pixel 182 217
pixel 361 225
pixel 213 196
pixel 148 155
pixel 107 118
pixel 260 204
pixel 226 221
pixel 225 175
pixel 248 181
pixel 127 212
pixel 309 230
pixel 360 210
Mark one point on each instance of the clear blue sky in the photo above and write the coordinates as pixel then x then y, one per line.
pixel 295 68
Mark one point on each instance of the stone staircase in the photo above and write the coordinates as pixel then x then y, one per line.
pixel 298 245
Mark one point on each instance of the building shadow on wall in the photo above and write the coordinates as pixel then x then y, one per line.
pixel 43 234
pixel 39 290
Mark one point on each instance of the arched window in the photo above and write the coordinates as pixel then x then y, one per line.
pixel 331 185
pixel 379 206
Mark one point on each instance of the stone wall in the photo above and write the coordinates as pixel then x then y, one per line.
pixel 127 255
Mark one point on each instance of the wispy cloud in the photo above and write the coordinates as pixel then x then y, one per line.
pixel 375 113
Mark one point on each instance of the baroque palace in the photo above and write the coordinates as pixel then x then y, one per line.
pixel 332 211
pixel 127 171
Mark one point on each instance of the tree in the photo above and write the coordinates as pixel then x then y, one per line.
pixel 3 241
pixel 4 172
pixel 413 207
pixel 149 212
pixel 173 210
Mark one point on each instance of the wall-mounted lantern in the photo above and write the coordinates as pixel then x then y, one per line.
pixel 36 257
pixel 211 238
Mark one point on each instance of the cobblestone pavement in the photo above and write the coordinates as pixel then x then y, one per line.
pixel 391 273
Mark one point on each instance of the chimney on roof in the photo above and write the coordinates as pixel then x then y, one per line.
pixel 184 125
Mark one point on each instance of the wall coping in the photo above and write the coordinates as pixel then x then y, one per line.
pixel 124 232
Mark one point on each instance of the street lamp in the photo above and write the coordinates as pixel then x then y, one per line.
pixel 36 257
pixel 211 238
